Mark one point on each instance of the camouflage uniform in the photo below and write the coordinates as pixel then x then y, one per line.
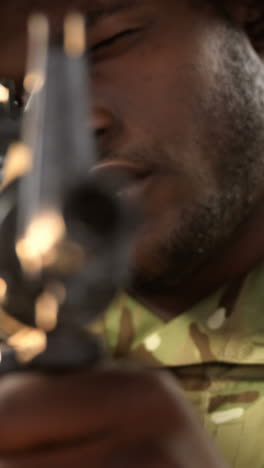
pixel 216 351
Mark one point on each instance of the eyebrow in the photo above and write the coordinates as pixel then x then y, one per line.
pixel 104 8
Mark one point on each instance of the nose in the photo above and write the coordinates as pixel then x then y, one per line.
pixel 103 126
pixel 100 123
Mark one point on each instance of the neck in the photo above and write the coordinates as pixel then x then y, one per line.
pixel 236 258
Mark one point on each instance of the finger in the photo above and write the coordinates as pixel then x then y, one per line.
pixel 36 409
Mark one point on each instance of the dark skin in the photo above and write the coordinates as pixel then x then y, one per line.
pixel 178 96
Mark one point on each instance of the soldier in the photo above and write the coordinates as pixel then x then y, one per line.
pixel 178 101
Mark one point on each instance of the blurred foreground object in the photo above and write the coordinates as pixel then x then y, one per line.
pixel 64 235
pixel 10 116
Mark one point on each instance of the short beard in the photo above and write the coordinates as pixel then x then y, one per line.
pixel 235 139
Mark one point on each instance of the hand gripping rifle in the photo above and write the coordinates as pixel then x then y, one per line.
pixel 64 237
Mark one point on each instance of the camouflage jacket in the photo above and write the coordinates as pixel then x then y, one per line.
pixel 216 351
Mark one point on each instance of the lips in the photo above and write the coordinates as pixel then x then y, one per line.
pixel 126 179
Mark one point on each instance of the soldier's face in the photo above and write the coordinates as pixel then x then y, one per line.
pixel 178 97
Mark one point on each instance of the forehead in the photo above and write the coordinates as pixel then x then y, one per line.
pixel 95 9
pixel 92 6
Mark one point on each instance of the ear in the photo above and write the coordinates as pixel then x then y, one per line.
pixel 249 15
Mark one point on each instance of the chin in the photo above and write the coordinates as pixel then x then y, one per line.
pixel 149 256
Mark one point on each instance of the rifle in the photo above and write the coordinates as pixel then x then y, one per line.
pixel 64 235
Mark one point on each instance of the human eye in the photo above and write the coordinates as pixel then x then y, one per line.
pixel 114 43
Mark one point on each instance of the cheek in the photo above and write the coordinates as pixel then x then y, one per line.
pixel 162 98
pixel 151 91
